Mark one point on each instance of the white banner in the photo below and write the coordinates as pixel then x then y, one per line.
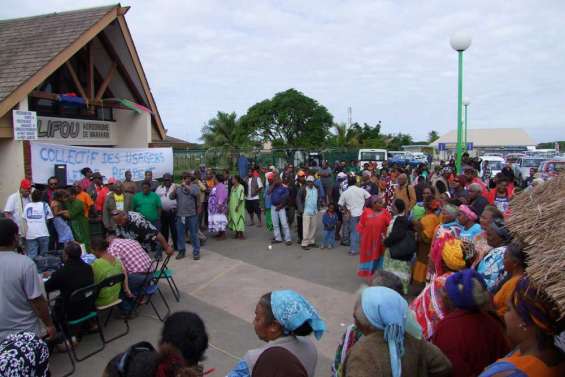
pixel 110 162
pixel 25 125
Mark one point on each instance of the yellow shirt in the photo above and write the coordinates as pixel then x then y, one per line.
pixel 504 293
pixel 119 201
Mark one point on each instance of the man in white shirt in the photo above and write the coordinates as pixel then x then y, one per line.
pixel 252 191
pixel 352 202
pixel 35 215
pixel 15 205
pixel 169 208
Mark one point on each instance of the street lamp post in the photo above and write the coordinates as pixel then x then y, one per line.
pixel 460 42
pixel 466 103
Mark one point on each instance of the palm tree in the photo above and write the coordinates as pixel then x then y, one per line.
pixel 344 136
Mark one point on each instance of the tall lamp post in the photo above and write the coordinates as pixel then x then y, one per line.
pixel 460 42
pixel 466 103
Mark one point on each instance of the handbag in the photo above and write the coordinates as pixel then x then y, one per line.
pixel 404 250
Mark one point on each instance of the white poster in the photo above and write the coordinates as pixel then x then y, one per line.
pixel 25 125
pixel 110 162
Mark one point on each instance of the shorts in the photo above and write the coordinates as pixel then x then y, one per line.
pixel 252 206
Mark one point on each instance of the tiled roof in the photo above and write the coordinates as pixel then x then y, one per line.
pixel 28 44
pixel 490 137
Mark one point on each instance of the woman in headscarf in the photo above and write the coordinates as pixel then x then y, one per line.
pixel 385 350
pixel 491 267
pixel 470 336
pixel 352 334
pixel 426 228
pixel 237 207
pixel 490 214
pixel 217 208
pixel 284 320
pixel 468 219
pixel 532 321
pixel 515 267
pixel 24 354
pixel 372 228
pixel 430 305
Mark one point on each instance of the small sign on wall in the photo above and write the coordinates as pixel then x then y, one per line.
pixel 25 125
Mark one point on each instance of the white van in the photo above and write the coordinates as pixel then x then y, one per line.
pixel 495 163
pixel 368 155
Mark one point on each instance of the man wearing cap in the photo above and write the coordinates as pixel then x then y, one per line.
pixel 15 205
pixel 187 195
pixel 310 214
pixel 169 212
pixel 116 199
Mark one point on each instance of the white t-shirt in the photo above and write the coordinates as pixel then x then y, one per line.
pixel 14 206
pixel 36 216
pixel 259 185
pixel 354 200
pixel 163 193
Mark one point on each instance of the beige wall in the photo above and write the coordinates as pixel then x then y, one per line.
pixel 133 130
pixel 11 167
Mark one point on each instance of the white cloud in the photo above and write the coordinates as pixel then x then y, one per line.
pixel 389 60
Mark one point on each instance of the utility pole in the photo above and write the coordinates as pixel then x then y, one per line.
pixel 349 116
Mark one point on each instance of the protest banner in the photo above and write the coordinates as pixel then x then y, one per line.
pixel 110 162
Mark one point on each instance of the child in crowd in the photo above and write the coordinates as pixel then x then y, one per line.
pixel 330 222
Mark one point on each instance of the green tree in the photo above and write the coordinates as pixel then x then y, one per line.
pixel 395 142
pixel 343 136
pixel 225 131
pixel 432 136
pixel 289 119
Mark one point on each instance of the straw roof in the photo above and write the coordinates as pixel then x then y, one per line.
pixel 538 219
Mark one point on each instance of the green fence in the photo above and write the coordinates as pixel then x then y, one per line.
pixel 191 159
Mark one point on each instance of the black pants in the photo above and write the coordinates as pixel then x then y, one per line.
pixel 169 225
pixel 299 226
pixel 203 217
pixel 290 211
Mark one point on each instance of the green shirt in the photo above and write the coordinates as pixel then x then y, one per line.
pixel 148 205
pixel 103 269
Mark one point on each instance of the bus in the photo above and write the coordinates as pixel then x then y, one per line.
pixel 369 155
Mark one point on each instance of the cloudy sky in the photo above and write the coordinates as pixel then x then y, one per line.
pixel 389 60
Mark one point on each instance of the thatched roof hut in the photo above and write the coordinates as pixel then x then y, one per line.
pixel 538 220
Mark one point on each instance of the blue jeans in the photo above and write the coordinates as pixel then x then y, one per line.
pixel 37 246
pixel 354 235
pixel 190 223
pixel 329 238
pixel 279 219
pixel 135 282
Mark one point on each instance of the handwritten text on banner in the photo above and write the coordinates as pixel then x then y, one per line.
pixel 110 162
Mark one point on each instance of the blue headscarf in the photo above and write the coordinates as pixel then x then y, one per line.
pixel 463 299
pixel 291 310
pixel 387 310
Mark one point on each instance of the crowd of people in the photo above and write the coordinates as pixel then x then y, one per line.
pixel 448 294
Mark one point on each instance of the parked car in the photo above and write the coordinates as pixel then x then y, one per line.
pixel 550 168
pixel 495 164
pixel 522 168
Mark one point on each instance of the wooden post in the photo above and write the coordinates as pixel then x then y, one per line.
pixel 106 82
pixel 76 80
pixel 90 77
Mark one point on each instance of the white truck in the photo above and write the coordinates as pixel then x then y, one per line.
pixel 369 155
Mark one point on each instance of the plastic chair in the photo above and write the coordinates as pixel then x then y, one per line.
pixel 149 288
pixel 85 296
pixel 108 283
pixel 166 273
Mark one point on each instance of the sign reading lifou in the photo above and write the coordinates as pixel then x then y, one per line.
pixel 76 131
